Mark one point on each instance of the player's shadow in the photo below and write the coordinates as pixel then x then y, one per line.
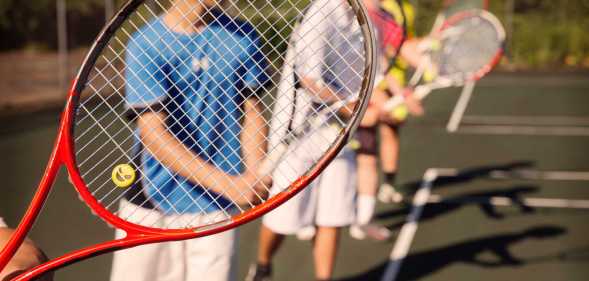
pixel 481 199
pixel 424 263
pixel 470 174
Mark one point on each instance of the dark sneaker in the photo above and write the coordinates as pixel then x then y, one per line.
pixel 259 273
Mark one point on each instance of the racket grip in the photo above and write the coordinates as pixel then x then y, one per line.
pixel 272 160
pixel 393 102
pixel 421 92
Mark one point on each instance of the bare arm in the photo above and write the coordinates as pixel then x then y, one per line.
pixel 411 53
pixel 319 90
pixel 27 257
pixel 254 135
pixel 177 157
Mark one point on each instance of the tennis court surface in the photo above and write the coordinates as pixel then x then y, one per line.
pixel 509 191
pixel 509 194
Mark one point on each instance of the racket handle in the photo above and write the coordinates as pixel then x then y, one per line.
pixel 272 160
pixel 393 102
pixel 421 92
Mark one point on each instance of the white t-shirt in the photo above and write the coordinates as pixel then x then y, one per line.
pixel 326 45
pixel 329 47
pixel 2 223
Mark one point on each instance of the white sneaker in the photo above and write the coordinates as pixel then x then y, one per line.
pixel 388 194
pixel 306 233
pixel 372 231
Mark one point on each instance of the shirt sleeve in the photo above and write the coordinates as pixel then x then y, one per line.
pixel 146 83
pixel 311 41
pixel 255 64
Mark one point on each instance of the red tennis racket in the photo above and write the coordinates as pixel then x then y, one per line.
pixel 466 47
pixel 171 108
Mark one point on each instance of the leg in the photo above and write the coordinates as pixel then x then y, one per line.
pixel 389 157
pixel 335 209
pixel 325 251
pixel 269 243
pixel 389 148
pixel 367 175
pixel 367 188
pixel 286 219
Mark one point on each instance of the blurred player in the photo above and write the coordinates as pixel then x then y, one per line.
pixel 328 204
pixel 27 256
pixel 388 18
pixel 231 160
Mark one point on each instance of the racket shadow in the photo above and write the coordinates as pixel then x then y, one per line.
pixel 471 174
pixel 454 203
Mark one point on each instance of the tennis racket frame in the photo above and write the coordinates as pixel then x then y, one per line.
pixel 64 155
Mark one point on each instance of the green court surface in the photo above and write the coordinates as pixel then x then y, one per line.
pixel 511 203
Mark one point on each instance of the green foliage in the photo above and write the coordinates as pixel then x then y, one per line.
pixel 548 34
pixel 545 33
pixel 25 23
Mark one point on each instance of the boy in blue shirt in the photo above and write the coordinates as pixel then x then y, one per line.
pixel 190 81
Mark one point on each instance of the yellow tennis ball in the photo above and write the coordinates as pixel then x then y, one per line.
pixel 354 144
pixel 435 45
pixel 429 75
pixel 400 113
pixel 124 175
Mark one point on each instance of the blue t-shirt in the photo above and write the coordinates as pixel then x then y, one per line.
pixel 200 81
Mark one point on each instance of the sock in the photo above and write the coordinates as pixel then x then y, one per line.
pixel 390 177
pixel 365 209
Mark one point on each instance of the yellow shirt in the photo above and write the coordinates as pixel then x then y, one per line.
pixel 392 8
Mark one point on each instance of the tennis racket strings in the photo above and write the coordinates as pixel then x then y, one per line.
pixel 210 78
pixel 470 45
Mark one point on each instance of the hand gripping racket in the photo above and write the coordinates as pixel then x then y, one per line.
pixel 171 108
pixel 465 48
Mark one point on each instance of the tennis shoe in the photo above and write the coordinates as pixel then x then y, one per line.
pixel 306 233
pixel 258 272
pixel 388 194
pixel 371 231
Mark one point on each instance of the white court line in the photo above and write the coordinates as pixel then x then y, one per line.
pixel 407 233
pixel 514 120
pixel 460 108
pixel 568 131
pixel 541 175
pixel 423 197
pixel 506 202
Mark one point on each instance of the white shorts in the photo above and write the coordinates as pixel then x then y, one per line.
pixel 328 201
pixel 208 258
pixel 2 223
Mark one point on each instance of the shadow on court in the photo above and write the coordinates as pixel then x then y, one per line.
pixel 577 254
pixel 451 204
pixel 424 263
pixel 470 174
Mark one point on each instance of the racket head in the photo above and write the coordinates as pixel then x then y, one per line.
pixel 471 43
pixel 100 134
pixel 452 7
